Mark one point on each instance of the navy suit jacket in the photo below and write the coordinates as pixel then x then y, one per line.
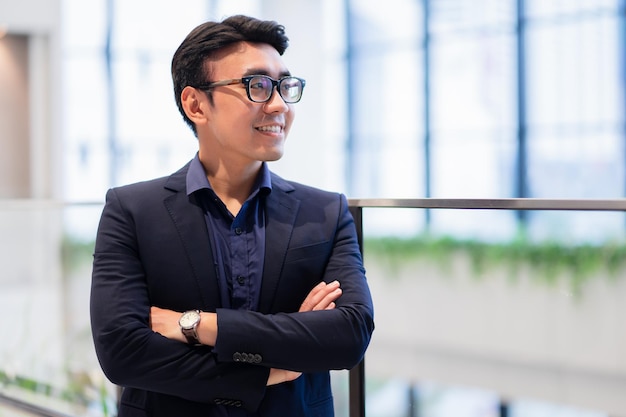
pixel 152 248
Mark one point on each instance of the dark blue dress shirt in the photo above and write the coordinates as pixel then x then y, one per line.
pixel 237 242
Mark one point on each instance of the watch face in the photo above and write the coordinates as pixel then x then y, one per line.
pixel 188 319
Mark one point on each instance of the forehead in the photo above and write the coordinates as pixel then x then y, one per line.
pixel 245 58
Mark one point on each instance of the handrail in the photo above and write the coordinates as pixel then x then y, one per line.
pixel 356 205
pixel 31 408
pixel 492 204
pixel 44 203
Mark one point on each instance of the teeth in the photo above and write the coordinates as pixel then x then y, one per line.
pixel 274 129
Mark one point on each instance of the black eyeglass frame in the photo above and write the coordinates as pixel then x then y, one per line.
pixel 246 82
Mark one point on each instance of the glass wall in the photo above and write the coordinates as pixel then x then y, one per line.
pixel 416 98
pixel 488 99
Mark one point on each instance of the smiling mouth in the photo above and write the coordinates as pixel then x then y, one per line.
pixel 272 129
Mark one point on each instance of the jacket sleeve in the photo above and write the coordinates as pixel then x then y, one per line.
pixel 310 341
pixel 130 353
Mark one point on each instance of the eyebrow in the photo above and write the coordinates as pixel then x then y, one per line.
pixel 261 71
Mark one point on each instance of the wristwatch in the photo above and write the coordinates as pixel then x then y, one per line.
pixel 188 323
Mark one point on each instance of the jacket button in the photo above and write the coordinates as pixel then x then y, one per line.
pixel 257 358
pixel 237 357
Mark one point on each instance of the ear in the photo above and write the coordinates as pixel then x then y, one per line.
pixel 195 104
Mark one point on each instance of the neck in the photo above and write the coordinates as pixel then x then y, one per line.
pixel 232 184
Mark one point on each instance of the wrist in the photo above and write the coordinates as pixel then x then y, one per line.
pixel 207 329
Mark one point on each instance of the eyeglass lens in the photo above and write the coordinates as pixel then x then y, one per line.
pixel 261 87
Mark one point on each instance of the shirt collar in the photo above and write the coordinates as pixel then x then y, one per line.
pixel 197 180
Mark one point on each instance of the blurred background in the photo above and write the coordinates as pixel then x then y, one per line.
pixel 479 313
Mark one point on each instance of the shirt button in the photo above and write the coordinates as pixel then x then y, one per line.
pixel 238 230
pixel 241 280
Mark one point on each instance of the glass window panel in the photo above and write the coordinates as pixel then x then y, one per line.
pixel 151 135
pixel 481 225
pixel 576 165
pixel 388 112
pixel 388 93
pixel 553 8
pixel 139 24
pixel 403 174
pixel 471 165
pixel 397 222
pixel 387 24
pixel 574 75
pixel 576 227
pixel 535 408
pixel 145 106
pixel 84 89
pixel 83 25
pixel 473 83
pixel 222 8
pixel 86 152
pixel 462 15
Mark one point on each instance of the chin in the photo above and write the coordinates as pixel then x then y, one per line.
pixel 273 154
pixel 273 158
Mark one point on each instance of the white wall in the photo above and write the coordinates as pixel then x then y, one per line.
pixel 31 128
pixel 14 119
pixel 30 16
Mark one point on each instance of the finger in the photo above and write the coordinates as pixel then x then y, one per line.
pixel 329 298
pixel 317 296
pixel 313 297
pixel 319 288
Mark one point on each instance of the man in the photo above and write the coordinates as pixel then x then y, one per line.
pixel 224 290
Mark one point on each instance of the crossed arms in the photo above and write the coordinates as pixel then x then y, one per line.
pixel 165 322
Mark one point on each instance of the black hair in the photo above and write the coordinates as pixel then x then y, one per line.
pixel 188 63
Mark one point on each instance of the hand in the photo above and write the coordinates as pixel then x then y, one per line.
pixel 322 297
pixel 278 376
pixel 165 322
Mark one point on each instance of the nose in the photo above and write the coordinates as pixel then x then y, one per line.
pixel 276 104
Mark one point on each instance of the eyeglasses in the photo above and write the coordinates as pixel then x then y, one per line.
pixel 259 88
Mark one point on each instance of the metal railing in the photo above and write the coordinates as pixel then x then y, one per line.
pixel 29 408
pixel 357 374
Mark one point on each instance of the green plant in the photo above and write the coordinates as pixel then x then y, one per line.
pixel 80 390
pixel 550 259
pixel 75 252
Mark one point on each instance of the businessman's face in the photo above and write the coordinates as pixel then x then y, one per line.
pixel 241 130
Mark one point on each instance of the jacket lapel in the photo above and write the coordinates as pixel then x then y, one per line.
pixel 280 212
pixel 188 218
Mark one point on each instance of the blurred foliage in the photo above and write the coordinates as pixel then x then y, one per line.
pixel 550 259
pixel 73 394
pixel 76 253
pixel 81 390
